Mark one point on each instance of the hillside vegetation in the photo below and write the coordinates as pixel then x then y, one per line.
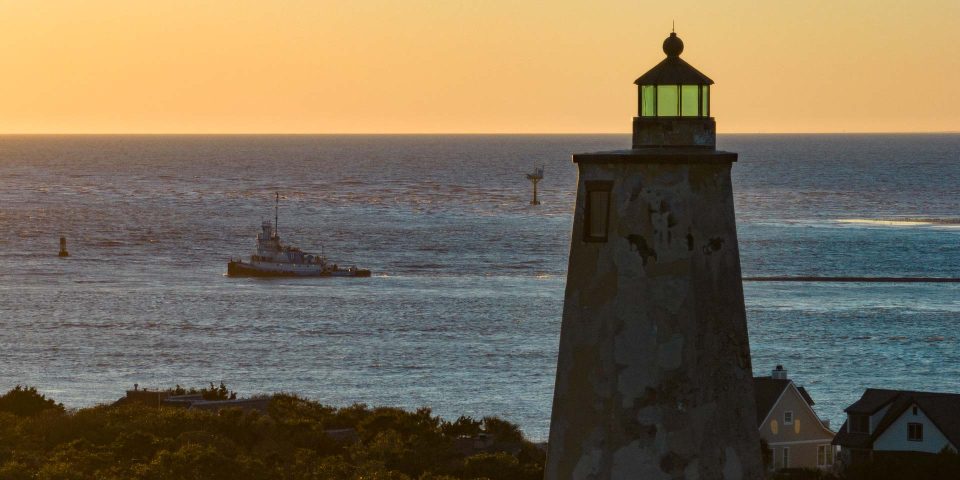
pixel 295 439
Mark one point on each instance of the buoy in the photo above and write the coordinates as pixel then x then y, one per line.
pixel 63 247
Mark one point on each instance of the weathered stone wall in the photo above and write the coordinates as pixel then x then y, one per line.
pixel 654 375
pixel 680 131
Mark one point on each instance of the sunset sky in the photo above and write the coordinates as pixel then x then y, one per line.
pixel 483 66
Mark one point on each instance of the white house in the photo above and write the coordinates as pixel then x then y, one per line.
pixel 888 422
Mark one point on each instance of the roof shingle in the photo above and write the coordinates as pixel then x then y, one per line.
pixel 767 390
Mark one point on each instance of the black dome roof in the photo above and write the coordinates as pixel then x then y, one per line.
pixel 673 70
pixel 673 46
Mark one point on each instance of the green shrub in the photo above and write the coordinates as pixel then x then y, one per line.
pixel 39 440
pixel 26 401
pixel 919 466
pixel 211 393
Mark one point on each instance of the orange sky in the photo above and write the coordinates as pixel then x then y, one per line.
pixel 449 66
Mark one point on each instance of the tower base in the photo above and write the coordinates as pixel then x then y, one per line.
pixel 654 379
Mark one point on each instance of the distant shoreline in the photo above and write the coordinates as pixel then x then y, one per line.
pixel 855 279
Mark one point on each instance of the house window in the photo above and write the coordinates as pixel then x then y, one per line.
pixel 788 418
pixel 597 211
pixel 824 455
pixel 914 410
pixel 915 432
pixel 785 463
pixel 859 424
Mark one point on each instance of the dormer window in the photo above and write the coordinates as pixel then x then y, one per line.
pixel 859 424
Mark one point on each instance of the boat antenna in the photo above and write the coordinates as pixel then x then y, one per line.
pixel 276 216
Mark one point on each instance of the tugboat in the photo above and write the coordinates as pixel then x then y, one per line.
pixel 274 259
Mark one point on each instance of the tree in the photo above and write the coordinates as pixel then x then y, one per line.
pixel 463 427
pixel 502 431
pixel 291 442
pixel 498 466
pixel 27 402
pixel 899 465
pixel 208 393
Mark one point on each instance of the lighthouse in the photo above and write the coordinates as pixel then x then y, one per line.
pixel 654 378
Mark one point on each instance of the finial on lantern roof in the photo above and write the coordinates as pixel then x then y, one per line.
pixel 673 46
pixel 673 70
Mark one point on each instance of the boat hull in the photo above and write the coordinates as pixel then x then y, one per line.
pixel 265 269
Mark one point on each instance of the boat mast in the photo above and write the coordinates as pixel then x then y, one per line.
pixel 276 216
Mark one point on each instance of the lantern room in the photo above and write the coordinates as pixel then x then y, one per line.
pixel 673 88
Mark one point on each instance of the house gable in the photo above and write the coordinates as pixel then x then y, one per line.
pixel 877 418
pixel 890 414
pixel 894 436
pixel 804 424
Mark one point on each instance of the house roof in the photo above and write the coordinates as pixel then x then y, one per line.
pixel 806 396
pixel 768 390
pixel 872 400
pixel 943 409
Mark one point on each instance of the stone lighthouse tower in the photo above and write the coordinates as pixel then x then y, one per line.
pixel 654 378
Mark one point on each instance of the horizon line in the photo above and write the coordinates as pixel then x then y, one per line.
pixel 12 134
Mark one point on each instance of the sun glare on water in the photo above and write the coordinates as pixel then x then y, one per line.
pixel 918 222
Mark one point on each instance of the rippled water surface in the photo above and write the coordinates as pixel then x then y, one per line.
pixel 463 311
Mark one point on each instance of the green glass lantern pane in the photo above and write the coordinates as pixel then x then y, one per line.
pixel 668 101
pixel 649 101
pixel 689 101
pixel 705 99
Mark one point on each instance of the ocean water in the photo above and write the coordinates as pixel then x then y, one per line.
pixel 463 311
